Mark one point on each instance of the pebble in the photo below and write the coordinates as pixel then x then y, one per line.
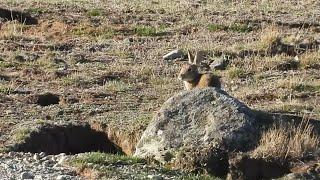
pixel 36 157
pixel 26 175
pixel 155 177
pixel 173 55
pixel 61 177
pixel 62 160
pixel 219 64
pixel 42 154
pixel 19 165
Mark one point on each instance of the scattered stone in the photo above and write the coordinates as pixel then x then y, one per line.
pixel 26 175
pixel 219 64
pixel 155 177
pixel 11 154
pixel 128 40
pixel 38 177
pixel 22 166
pixel 62 160
pixel 173 55
pixel 42 154
pixel 36 157
pixel 61 177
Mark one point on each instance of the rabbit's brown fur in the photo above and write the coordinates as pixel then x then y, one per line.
pixel 193 79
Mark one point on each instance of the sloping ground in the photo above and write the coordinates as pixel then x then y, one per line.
pixel 103 60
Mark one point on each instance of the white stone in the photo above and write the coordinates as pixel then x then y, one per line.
pixel 173 55
pixel 36 157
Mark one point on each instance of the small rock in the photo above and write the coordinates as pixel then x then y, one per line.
pixel 155 177
pixel 26 175
pixel 42 154
pixel 62 160
pixel 26 160
pixel 61 154
pixel 46 163
pixel 219 64
pixel 173 55
pixel 61 177
pixel 38 177
pixel 56 165
pixel 53 158
pixel 11 154
pixel 36 157
pixel 128 40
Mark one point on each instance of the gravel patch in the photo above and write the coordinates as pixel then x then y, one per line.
pixel 19 165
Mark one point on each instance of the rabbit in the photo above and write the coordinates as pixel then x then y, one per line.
pixel 191 77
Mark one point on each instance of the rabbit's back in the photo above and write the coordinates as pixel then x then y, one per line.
pixel 209 80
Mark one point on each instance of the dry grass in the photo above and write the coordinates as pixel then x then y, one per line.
pixel 288 142
pixel 122 77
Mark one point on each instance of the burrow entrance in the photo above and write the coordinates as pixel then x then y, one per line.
pixel 9 15
pixel 47 99
pixel 69 139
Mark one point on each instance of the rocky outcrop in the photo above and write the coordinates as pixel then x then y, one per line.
pixel 196 129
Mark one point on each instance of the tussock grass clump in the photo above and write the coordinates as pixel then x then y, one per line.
pixel 288 142
pixel 268 36
pixel 310 60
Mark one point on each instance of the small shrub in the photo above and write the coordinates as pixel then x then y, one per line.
pixel 310 60
pixel 268 36
pixel 215 27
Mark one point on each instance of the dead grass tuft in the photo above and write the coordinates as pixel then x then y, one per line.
pixel 268 36
pixel 288 142
pixel 310 60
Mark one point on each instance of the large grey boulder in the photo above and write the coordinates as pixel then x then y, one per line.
pixel 196 129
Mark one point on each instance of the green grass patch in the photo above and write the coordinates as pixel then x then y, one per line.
pixel 236 27
pixel 37 10
pixel 6 89
pixel 306 87
pixel 6 64
pixel 22 134
pixel 118 86
pixel 99 158
pixel 95 12
pixel 234 73
pixel 100 32
pixel 148 31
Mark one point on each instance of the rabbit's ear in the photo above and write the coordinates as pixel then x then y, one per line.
pixel 198 57
pixel 190 57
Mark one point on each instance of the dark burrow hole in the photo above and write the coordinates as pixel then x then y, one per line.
pixel 245 167
pixel 47 99
pixel 9 15
pixel 69 139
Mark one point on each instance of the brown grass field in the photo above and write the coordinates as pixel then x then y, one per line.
pixel 103 59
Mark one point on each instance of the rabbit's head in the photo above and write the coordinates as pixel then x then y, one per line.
pixel 189 71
